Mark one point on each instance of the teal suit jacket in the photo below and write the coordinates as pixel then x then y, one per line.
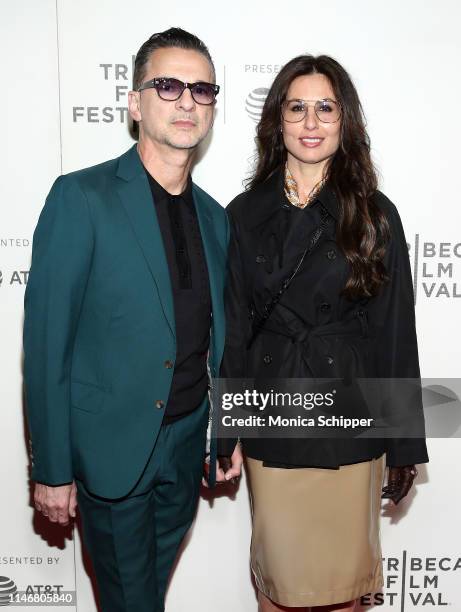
pixel 99 325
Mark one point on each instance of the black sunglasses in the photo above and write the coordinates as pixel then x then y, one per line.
pixel 172 89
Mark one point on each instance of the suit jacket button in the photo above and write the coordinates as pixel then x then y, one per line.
pixel 267 359
pixel 260 259
pixel 159 404
pixel 168 364
pixel 325 307
pixel 331 254
pixel 330 360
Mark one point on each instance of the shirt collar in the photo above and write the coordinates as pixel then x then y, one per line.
pixel 160 192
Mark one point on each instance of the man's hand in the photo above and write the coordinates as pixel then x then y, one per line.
pixel 399 482
pixel 56 503
pixel 228 469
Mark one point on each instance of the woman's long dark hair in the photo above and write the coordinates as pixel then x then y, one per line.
pixel 363 230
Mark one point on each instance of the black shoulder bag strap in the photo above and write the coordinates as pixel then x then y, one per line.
pixel 271 304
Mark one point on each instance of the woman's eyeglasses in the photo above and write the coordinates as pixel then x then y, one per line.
pixel 327 110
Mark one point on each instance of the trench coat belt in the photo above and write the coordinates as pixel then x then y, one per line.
pixel 357 326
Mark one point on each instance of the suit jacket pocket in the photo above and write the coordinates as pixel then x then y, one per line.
pixel 87 396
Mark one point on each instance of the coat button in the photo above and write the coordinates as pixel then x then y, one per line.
pixel 260 259
pixel 330 360
pixel 267 359
pixel 325 307
pixel 331 254
pixel 168 364
pixel 159 404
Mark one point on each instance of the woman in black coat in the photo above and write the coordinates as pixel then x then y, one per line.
pixel 313 206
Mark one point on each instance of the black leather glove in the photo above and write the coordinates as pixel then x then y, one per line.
pixel 399 482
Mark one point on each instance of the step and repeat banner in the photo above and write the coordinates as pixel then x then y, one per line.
pixel 67 69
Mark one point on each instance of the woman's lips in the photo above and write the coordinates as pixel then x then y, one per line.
pixel 311 142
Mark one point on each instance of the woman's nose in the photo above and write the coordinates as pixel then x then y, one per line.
pixel 310 120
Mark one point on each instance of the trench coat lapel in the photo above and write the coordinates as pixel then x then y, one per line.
pixel 268 198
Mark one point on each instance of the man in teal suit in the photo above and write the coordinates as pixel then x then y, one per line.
pixel 124 324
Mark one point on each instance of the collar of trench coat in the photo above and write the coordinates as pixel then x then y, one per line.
pixel 269 196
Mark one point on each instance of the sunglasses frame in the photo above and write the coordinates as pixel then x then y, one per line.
pixel 156 82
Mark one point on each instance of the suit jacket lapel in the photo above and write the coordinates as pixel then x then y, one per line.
pixel 136 197
pixel 216 262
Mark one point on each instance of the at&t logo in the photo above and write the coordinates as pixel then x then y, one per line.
pixel 7 590
pixel 255 102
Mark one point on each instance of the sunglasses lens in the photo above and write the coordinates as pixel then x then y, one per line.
pixel 203 93
pixel 170 89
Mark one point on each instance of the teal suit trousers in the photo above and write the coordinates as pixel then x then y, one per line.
pixel 133 540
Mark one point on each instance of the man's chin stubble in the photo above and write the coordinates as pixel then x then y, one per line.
pixel 180 145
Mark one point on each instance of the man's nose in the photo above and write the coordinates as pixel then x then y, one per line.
pixel 186 101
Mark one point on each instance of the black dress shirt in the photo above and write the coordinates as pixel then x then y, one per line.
pixel 182 241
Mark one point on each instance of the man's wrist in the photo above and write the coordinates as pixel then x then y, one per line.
pixel 46 484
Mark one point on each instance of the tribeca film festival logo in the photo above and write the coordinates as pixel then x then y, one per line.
pixel 414 582
pixel 436 269
pixel 118 75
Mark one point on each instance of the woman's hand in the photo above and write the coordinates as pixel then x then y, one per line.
pixel 228 469
pixel 399 482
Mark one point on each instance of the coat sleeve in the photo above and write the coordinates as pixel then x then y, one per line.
pixel 392 323
pixel 237 321
pixel 61 259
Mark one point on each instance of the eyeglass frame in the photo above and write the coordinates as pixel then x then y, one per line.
pixel 305 102
pixel 155 82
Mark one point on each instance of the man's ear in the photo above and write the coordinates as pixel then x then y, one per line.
pixel 134 105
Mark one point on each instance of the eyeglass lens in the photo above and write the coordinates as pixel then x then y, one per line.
pixel 327 111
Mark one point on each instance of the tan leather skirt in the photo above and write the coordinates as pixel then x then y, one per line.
pixel 315 534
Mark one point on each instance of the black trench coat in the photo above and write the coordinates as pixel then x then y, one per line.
pixel 314 331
